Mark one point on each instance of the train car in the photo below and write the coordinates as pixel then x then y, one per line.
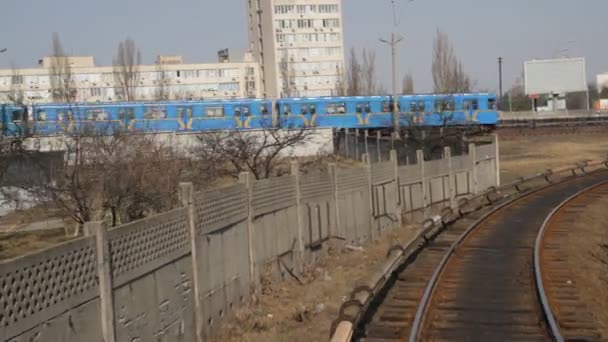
pixel 364 112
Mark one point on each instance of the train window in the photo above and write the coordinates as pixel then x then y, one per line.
pixel 96 115
pixel 126 114
pixel 155 113
pixel 475 105
pixel 420 106
pixel 413 106
pixel 470 105
pixel 16 116
pixel 313 109
pixel 305 109
pixel 264 109
pixel 184 112
pixel 336 108
pixel 40 115
pixel 363 107
pixel 447 104
pixel 214 111
pixel 491 104
pixel 286 109
pixel 237 111
pixel 387 106
pixel 67 115
pixel 246 110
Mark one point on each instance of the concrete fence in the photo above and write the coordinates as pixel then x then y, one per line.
pixel 176 276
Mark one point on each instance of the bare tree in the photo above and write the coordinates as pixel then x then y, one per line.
pixel 408 84
pixel 260 153
pixel 448 73
pixel 368 73
pixel 126 69
pixel 340 81
pixel 287 73
pixel 360 76
pixel 353 75
pixel 162 92
pixel 62 84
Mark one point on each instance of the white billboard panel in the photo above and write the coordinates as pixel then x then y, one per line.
pixel 555 76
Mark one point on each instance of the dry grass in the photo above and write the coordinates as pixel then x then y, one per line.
pixel 293 312
pixel 588 259
pixel 530 155
pixel 18 244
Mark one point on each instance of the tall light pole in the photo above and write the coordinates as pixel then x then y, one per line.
pixel 500 78
pixel 394 40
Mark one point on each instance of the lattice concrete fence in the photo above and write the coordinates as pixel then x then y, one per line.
pixel 177 275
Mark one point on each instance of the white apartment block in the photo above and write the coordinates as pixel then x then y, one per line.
pixel 299 45
pixel 168 79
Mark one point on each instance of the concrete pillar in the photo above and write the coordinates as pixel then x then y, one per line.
pixel 104 276
pixel 332 168
pixel 368 171
pixel 473 156
pixel 378 146
pixel 447 155
pixel 497 156
pixel 295 171
pixel 186 196
pixel 346 152
pixel 393 159
pixel 425 204
pixel 246 179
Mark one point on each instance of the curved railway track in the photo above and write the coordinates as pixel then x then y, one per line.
pixel 484 287
pixel 568 317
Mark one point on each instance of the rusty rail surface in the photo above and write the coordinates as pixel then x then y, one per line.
pixel 435 237
pixel 568 318
pixel 486 290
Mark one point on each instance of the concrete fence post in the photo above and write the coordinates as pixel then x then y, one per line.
pixel 366 136
pixel 186 196
pixel 246 179
pixel 378 146
pixel 356 143
pixel 370 190
pixel 420 159
pixel 393 159
pixel 104 275
pixel 447 154
pixel 473 156
pixel 496 143
pixel 295 171
pixel 332 168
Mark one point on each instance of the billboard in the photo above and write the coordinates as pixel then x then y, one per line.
pixel 556 76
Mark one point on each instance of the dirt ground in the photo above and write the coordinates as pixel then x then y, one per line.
pixel 529 155
pixel 588 251
pixel 293 312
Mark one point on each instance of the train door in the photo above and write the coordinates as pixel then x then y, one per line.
pixel 242 112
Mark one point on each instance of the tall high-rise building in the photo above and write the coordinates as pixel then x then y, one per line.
pixel 299 45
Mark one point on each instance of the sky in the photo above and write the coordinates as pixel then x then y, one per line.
pixel 480 30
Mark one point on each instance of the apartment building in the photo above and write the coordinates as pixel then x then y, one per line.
pixel 299 45
pixel 168 79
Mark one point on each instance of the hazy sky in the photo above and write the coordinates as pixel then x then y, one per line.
pixel 480 30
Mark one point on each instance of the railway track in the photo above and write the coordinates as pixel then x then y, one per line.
pixel 474 278
pixel 568 317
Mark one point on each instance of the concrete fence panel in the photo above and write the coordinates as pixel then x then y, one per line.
pixel 152 278
pixel 353 189
pixel 317 210
pixel 43 294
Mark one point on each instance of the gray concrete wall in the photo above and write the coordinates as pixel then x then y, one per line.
pixel 176 276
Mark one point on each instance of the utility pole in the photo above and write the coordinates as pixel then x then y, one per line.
pixel 500 78
pixel 395 39
pixel 393 44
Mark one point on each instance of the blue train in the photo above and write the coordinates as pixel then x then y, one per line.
pixel 364 112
